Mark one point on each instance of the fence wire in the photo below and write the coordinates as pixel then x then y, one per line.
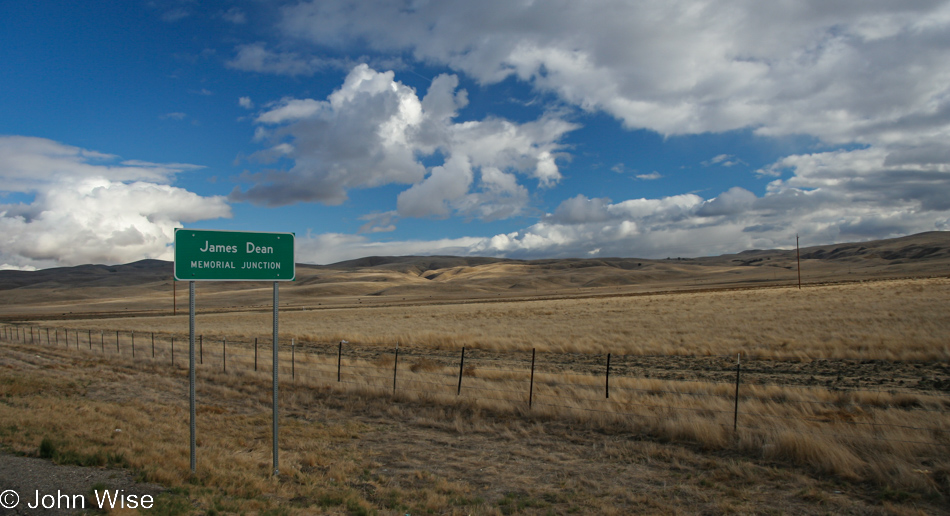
pixel 566 382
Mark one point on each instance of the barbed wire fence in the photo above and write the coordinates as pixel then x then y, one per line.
pixel 709 399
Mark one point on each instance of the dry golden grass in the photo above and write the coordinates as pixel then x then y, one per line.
pixel 893 442
pixel 884 437
pixel 336 459
pixel 883 320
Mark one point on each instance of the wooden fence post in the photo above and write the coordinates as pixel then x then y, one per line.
pixel 117 351
pixel 153 344
pixel 88 336
pixel 201 350
pixel 607 380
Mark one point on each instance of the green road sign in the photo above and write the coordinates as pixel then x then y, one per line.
pixel 202 255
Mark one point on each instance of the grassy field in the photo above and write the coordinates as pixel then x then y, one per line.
pixel 858 428
pixel 358 451
pixel 880 320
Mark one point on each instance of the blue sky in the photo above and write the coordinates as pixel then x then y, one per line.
pixel 498 128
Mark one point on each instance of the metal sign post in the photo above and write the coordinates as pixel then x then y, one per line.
pixel 191 367
pixel 203 255
pixel 275 370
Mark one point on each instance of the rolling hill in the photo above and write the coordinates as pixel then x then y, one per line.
pixel 146 286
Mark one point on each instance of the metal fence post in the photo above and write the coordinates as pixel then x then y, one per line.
pixel 395 365
pixel 735 415
pixel 531 385
pixel 224 355
pixel 201 350
pixel 255 353
pixel 461 369
pixel 117 351
pixel 133 345
pixel 607 380
pixel 339 361
pixel 88 336
pixel 153 344
pixel 293 359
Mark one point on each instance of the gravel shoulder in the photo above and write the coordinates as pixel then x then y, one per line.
pixel 27 476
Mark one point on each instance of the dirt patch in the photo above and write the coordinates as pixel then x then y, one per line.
pixel 65 489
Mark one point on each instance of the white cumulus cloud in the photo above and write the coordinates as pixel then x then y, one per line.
pixel 680 66
pixel 871 78
pixel 86 208
pixel 375 131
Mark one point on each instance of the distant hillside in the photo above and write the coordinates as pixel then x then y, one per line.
pixel 933 245
pixel 923 246
pixel 418 264
pixel 146 286
pixel 88 275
